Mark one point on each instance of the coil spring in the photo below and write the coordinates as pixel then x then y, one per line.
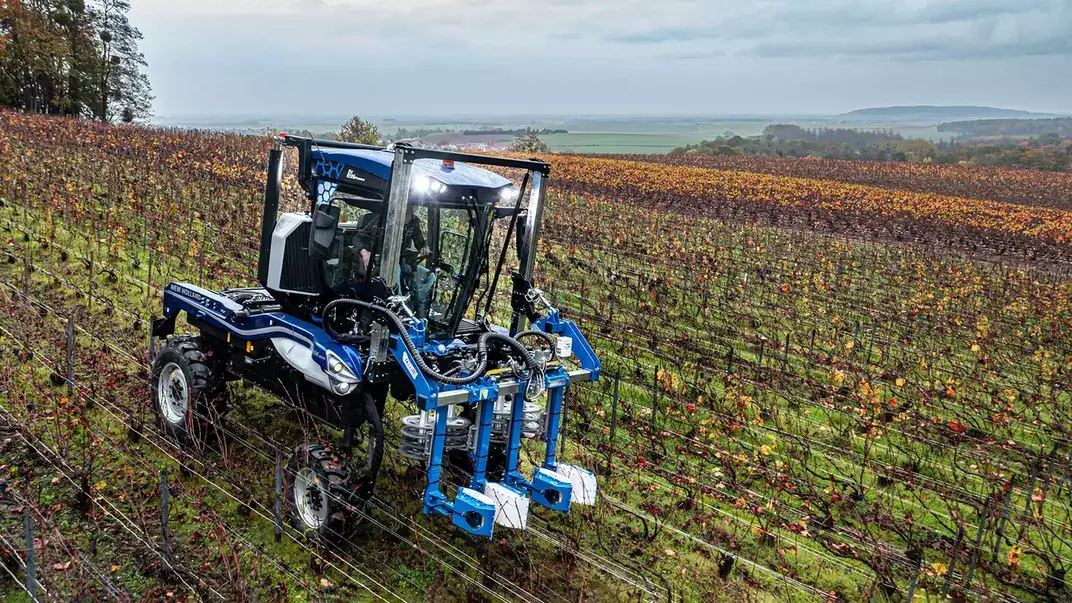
pixel 417 430
pixel 531 427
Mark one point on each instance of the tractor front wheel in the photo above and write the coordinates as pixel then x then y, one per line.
pixel 188 391
pixel 315 482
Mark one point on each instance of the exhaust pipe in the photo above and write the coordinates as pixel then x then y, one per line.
pixel 271 208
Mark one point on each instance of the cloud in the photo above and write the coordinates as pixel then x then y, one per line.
pixel 600 55
pixel 893 29
pixel 991 32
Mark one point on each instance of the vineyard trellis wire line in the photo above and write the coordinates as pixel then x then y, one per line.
pixel 233 435
pixel 1026 467
pixel 41 520
pixel 125 522
pixel 123 352
pixel 900 559
pixel 193 471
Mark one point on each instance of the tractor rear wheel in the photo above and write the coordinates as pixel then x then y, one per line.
pixel 316 482
pixel 188 390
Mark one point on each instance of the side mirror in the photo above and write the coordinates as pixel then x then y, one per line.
pixel 322 236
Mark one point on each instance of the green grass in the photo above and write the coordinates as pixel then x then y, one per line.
pixel 615 143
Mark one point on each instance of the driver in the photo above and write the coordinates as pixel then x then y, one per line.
pixel 418 279
pixel 413 235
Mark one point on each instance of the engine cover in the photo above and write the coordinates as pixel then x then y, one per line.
pixel 290 269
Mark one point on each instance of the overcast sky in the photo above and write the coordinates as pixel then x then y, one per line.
pixel 654 57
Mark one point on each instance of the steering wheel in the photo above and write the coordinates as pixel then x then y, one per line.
pixel 414 256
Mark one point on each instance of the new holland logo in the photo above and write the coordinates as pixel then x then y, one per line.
pixel 352 175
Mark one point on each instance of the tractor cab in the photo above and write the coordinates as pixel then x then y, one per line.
pixel 450 211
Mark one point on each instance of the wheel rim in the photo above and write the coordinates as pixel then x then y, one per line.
pixel 310 499
pixel 173 394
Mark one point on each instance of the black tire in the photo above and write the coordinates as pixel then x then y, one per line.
pixel 316 486
pixel 194 398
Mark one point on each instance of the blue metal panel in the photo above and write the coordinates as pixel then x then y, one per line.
pixel 434 499
pixel 223 312
pixel 554 422
pixel 483 445
pixel 379 163
pixel 554 323
pixel 472 514
pixel 550 491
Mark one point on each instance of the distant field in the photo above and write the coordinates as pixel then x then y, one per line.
pixel 615 143
pixel 654 135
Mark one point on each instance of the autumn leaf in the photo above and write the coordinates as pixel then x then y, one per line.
pixel 1014 556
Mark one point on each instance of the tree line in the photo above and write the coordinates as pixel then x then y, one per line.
pixel 1061 126
pixel 1051 151
pixel 73 57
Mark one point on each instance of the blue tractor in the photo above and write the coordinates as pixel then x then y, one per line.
pixel 383 288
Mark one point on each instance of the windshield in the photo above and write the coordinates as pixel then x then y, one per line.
pixel 439 264
pixel 456 236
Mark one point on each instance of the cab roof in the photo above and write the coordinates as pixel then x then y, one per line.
pixel 378 163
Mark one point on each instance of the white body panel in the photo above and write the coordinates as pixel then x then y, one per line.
pixel 301 358
pixel 511 507
pixel 287 224
pixel 583 482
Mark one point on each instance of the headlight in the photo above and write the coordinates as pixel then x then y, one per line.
pixel 338 369
pixel 424 184
pixel 509 194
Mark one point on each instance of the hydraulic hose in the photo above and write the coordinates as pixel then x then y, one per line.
pixel 541 335
pixel 400 328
